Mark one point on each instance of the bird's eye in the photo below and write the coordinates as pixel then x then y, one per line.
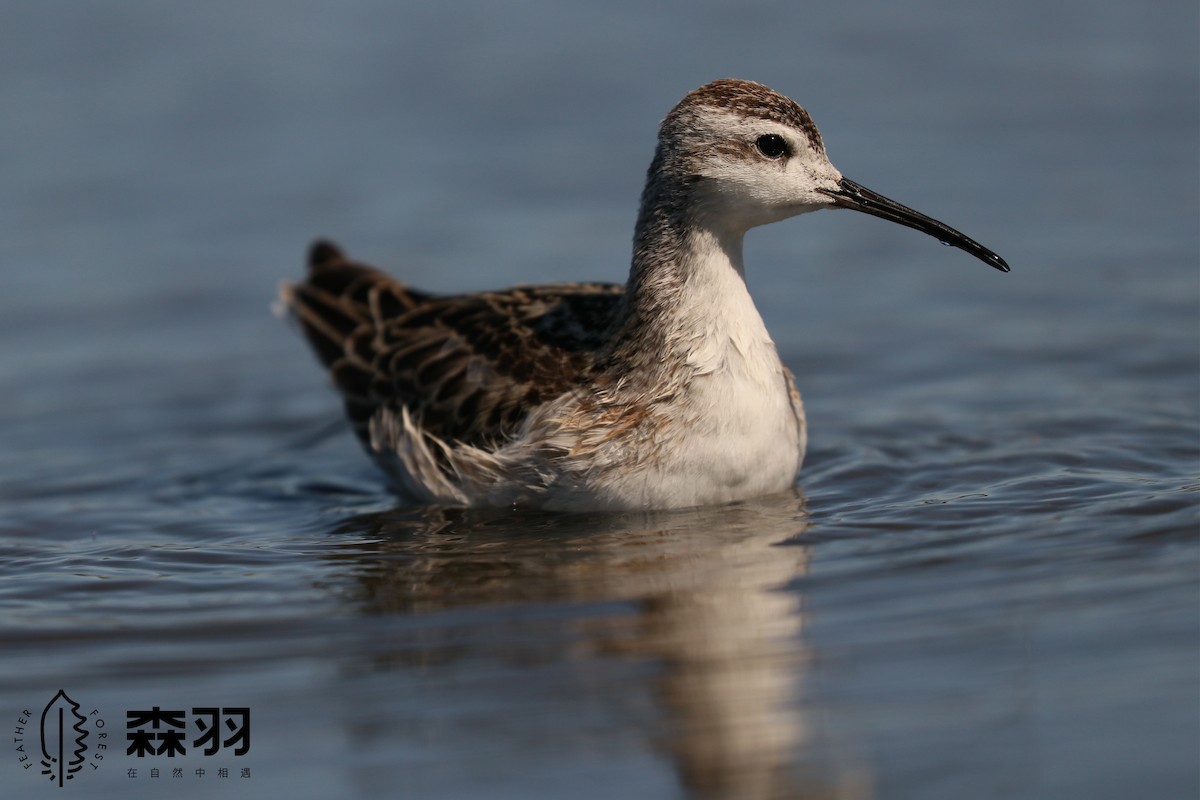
pixel 771 145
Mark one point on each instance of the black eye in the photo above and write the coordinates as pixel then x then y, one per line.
pixel 771 145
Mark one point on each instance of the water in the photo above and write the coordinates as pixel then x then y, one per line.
pixel 984 586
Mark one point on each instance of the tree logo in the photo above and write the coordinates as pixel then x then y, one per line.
pixel 65 737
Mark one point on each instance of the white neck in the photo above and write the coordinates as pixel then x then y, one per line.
pixel 692 330
pixel 716 323
pixel 687 297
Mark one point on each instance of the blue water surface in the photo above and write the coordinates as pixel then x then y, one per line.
pixel 984 585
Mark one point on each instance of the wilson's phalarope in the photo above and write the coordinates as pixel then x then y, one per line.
pixel 662 393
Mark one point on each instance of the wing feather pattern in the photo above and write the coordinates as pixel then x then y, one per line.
pixel 465 367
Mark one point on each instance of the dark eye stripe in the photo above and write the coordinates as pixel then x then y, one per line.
pixel 771 145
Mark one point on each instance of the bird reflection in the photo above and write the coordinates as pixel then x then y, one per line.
pixel 702 594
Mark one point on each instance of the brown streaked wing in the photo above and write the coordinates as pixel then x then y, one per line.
pixel 468 366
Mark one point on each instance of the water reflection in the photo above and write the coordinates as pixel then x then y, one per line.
pixel 699 593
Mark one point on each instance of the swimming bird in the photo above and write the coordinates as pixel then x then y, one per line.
pixel 664 392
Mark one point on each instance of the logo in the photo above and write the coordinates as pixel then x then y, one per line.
pixel 156 732
pixel 66 740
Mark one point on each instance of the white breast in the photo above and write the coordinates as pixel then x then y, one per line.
pixel 739 434
pixel 732 431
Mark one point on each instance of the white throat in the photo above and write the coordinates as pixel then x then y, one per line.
pixel 737 431
pixel 717 320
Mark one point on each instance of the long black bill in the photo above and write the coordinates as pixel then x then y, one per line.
pixel 859 198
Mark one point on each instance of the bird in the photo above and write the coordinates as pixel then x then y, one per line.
pixel 660 393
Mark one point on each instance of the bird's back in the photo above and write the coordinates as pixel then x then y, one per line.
pixel 466 367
